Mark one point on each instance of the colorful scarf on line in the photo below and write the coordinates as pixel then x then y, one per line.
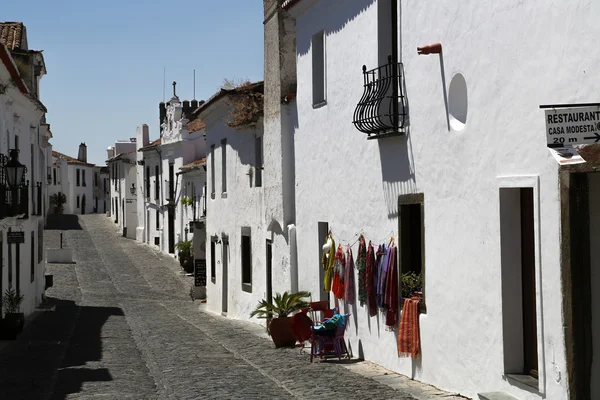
pixel 338 277
pixel 361 266
pixel 382 260
pixel 391 290
pixel 408 332
pixel 349 278
pixel 327 261
pixel 371 280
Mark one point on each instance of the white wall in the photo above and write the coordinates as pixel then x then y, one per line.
pixel 74 190
pixel 354 184
pixel 227 213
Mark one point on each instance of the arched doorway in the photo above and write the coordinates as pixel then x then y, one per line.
pixel 83 204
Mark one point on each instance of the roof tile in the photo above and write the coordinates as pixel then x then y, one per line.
pixel 13 35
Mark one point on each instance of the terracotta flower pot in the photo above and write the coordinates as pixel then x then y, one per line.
pixel 281 332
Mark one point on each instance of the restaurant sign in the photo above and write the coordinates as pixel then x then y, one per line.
pixel 572 126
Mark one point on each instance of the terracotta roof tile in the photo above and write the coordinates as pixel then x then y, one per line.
pixel 70 160
pixel 287 4
pixel 196 125
pixel 13 35
pixel 193 165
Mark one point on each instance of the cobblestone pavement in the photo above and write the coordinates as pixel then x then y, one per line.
pixel 124 327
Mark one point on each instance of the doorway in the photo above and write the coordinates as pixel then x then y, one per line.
pixel 171 228
pixel 225 272
pixel 269 271
pixel 83 205
pixel 322 234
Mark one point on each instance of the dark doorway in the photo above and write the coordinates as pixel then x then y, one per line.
pixel 269 271
pixel 323 231
pixel 225 272
pixel 171 227
pixel 580 288
pixel 83 205
pixel 18 267
pixel 530 350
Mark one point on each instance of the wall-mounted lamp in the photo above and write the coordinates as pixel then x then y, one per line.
pixel 15 171
pixel 132 189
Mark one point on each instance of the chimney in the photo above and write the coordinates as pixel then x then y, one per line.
pixel 110 152
pixel 82 155
pixel 186 109
pixel 143 136
pixel 162 114
pixel 194 105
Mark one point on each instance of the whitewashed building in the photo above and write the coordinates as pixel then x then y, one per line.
pixel 122 159
pixel 235 214
pixel 101 189
pixel 24 138
pixel 74 177
pixel 170 172
pixel 457 171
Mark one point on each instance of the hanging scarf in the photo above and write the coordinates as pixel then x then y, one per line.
pixel 361 266
pixel 371 279
pixel 382 258
pixel 327 262
pixel 391 290
pixel 409 344
pixel 338 275
pixel 349 278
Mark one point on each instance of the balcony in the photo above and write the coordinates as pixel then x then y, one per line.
pixel 381 111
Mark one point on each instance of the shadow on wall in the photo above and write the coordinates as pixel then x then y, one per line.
pixel 346 12
pixel 397 170
pixel 63 222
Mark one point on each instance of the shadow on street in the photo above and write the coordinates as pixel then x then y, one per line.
pixel 63 222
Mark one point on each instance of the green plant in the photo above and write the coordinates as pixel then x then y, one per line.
pixel 58 199
pixel 184 246
pixel 187 201
pixel 283 305
pixel 411 282
pixel 11 301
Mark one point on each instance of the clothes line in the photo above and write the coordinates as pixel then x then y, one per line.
pixel 354 239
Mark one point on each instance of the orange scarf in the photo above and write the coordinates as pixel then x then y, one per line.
pixel 408 332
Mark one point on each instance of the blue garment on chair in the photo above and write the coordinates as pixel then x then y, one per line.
pixel 332 323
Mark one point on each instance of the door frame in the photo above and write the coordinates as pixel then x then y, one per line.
pixel 224 273
pixel 533 181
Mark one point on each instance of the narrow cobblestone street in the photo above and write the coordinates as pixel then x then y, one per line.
pixel 125 327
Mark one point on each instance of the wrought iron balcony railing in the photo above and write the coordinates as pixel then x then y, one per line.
pixel 381 111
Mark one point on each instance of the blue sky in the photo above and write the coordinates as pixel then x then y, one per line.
pixel 105 60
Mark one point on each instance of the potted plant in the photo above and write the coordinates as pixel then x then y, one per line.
pixel 13 321
pixel 187 201
pixel 411 283
pixel 185 254
pixel 58 199
pixel 278 315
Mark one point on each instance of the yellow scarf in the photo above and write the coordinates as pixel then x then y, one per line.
pixel 327 262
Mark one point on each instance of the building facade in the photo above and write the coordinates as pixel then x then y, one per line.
pixel 74 177
pixel 121 164
pixel 236 240
pixel 23 143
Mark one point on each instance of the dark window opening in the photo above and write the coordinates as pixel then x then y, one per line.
pixel 78 177
pixel 224 165
pixel 411 240
pixel 157 219
pixel 171 182
pixel 54 176
pixel 147 194
pixel 77 201
pixel 258 164
pixel 83 178
pixel 32 256
pixel 246 260
pixel 212 171
pixel 156 183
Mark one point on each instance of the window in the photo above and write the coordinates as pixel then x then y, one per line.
pixel 157 219
pixel 171 182
pixel 95 179
pixel 156 184
pixel 54 176
pixel 224 166
pixel 83 177
pixel 212 171
pixel 16 141
pixel 77 201
pixel 147 194
pixel 412 237
pixel 32 256
pixel 78 177
pixel 213 262
pixel 40 241
pixel 246 260
pixel 258 161
pixel 319 82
